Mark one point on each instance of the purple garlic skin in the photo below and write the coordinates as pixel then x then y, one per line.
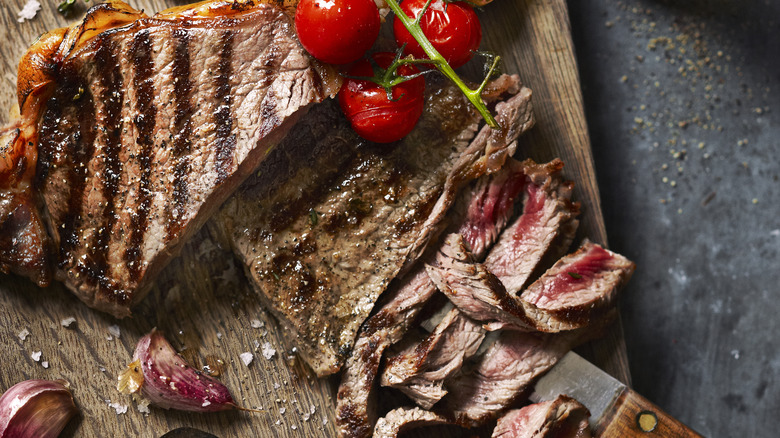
pixel 171 383
pixel 36 408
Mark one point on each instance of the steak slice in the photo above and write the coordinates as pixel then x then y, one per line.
pixel 319 255
pixel 562 417
pixel 150 123
pixel 403 419
pixel 419 369
pixel 355 411
pixel 576 291
pixel 543 232
pixel 509 365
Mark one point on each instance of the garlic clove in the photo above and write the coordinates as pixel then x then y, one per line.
pixel 169 382
pixel 36 408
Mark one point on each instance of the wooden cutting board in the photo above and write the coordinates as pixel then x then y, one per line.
pixel 202 300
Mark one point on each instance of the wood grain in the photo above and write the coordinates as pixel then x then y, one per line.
pixel 202 300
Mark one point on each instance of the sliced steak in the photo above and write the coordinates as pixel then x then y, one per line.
pixel 150 124
pixel 484 211
pixel 473 289
pixel 355 403
pixel 577 290
pixel 419 369
pixel 356 399
pixel 404 419
pixel 320 254
pixel 563 417
pixel 499 377
pixel 546 227
pixel 484 208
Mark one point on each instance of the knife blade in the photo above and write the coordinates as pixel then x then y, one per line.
pixel 616 410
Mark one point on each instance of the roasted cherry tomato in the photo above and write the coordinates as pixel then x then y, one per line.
pixel 372 115
pixel 452 28
pixel 337 31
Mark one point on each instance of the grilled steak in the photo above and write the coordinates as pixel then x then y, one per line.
pixel 482 209
pixel 419 369
pixel 150 124
pixel 404 419
pixel 322 262
pixel 562 417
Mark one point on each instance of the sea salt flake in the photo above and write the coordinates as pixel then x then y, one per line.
pixel 143 406
pixel 118 407
pixel 246 358
pixel 206 403
pixel 313 409
pixel 268 350
pixel 256 323
pixel 282 410
pixel 23 334
pixel 115 331
pixel 325 421
pixel 293 427
pixel 29 11
pixel 36 356
pixel 45 364
pixel 277 385
pixel 67 321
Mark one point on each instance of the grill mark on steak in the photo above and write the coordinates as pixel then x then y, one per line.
pixel 146 112
pixel 182 125
pixel 225 142
pixel 80 146
pixel 112 98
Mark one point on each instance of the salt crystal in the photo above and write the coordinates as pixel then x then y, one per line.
pixel 278 422
pixel 293 427
pixel 325 421
pixel 277 385
pixel 219 335
pixel 115 331
pixel 306 416
pixel 246 358
pixel 45 364
pixel 206 403
pixel 143 406
pixel 256 343
pixel 23 334
pixel 282 410
pixel 313 409
pixel 119 408
pixel 29 11
pixel 256 323
pixel 67 321
pixel 36 356
pixel 268 351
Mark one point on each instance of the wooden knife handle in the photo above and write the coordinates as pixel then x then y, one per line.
pixel 636 416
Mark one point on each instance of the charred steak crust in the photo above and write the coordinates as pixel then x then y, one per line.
pixel 147 124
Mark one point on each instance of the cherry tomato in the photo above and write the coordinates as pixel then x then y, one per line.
pixel 337 31
pixel 372 115
pixel 453 29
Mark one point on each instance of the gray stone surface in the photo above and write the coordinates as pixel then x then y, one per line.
pixel 683 104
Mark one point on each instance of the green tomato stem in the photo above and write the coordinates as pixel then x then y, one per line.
pixel 474 96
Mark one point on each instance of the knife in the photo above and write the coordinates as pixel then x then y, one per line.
pixel 615 409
